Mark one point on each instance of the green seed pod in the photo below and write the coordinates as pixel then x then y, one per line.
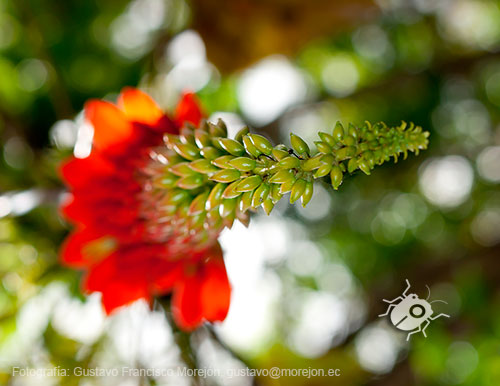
pixel 210 152
pixel 260 194
pixel 182 169
pixel 232 147
pixel 164 181
pixel 282 176
pixel 353 131
pixel 328 159
pixel 312 163
pixel 202 138
pixel 345 152
pixel 217 143
pixel 243 164
pixel 215 196
pixel 176 197
pixel 287 186
pixel 352 165
pixel 298 144
pixel 196 221
pixel 336 177
pixel 327 138
pixel 191 182
pixel 249 183
pixel 298 190
pixel 227 207
pixel 338 132
pixel 223 162
pixel 230 191
pixel 323 147
pixel 349 140
pixel 240 134
pixel 187 151
pixel 322 171
pixel 250 147
pixel 225 176
pixel 275 194
pixel 364 166
pixel 289 162
pixel 268 206
pixel 261 143
pixel 246 201
pixel 198 204
pixel 370 158
pixel 308 193
pixel 279 154
pixel 203 166
pixel 216 130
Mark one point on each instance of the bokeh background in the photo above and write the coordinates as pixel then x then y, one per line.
pixel 308 283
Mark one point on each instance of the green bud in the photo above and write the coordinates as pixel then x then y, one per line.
pixel 353 131
pixel 261 143
pixel 187 151
pixel 249 183
pixel 231 146
pixel 260 194
pixel 250 147
pixel 280 153
pixel 275 193
pixel 298 190
pixel 349 140
pixel 352 165
pixel 282 176
pixel 312 163
pixel 336 177
pixel 323 147
pixel 216 130
pixel 210 152
pixel 191 182
pixel 164 181
pixel 287 186
pixel 298 144
pixel 327 138
pixel 268 206
pixel 246 201
pixel 364 166
pixel 240 134
pixel 177 196
pixel 227 207
pixel 223 162
pixel 322 171
pixel 230 191
pixel 182 169
pixel 215 196
pixel 243 164
pixel 338 132
pixel 203 166
pixel 307 195
pixel 202 138
pixel 289 162
pixel 345 152
pixel 198 204
pixel 328 159
pixel 227 175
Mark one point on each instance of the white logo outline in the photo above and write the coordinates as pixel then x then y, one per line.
pixel 411 313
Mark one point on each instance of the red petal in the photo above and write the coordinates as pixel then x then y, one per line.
pixel 215 290
pixel 118 284
pixel 186 303
pixel 72 248
pixel 139 107
pixel 188 110
pixel 110 124
pixel 78 172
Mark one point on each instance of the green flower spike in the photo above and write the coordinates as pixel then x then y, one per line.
pixel 201 181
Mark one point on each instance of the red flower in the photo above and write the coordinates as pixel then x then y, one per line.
pixel 110 240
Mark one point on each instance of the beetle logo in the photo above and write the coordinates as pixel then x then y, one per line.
pixel 410 313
